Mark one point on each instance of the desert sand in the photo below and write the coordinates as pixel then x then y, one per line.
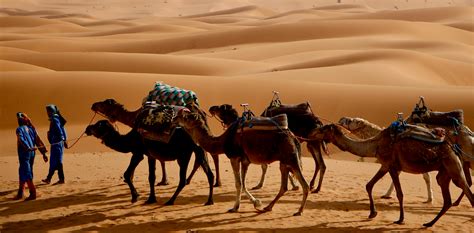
pixel 359 58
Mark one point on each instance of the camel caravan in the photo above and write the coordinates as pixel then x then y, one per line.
pixel 171 125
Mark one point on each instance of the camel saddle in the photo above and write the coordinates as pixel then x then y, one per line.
pixel 277 122
pixel 154 121
pixel 435 135
pixel 293 109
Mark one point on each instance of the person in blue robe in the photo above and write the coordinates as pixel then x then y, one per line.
pixel 28 142
pixel 57 138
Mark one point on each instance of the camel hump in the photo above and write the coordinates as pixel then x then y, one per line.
pixel 435 135
pixel 278 122
pixel 293 109
pixel 169 95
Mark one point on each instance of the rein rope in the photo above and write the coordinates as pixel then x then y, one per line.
pixel 83 133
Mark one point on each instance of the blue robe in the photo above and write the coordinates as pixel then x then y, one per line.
pixel 26 136
pixel 56 137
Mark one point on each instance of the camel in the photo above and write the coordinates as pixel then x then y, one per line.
pixel 228 115
pixel 459 134
pixel 363 129
pixel 302 122
pixel 243 147
pixel 115 111
pixel 452 122
pixel 402 154
pixel 180 148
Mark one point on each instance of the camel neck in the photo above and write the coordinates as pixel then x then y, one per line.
pixel 205 138
pixel 362 148
pixel 126 117
pixel 121 143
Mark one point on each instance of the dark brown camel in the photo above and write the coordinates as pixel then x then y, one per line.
pixel 115 111
pixel 249 146
pixel 302 121
pixel 180 148
pixel 402 154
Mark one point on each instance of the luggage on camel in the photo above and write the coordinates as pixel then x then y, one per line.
pixel 422 114
pixel 168 95
pixel 400 129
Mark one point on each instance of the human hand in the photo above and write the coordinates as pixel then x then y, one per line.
pixel 45 158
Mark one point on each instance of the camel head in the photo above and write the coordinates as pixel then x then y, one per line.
pixel 108 108
pixel 187 119
pixel 225 112
pixel 99 129
pixel 351 123
pixel 327 133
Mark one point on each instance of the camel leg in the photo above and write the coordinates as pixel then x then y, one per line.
pixel 183 167
pixel 151 180
pixel 443 181
pixel 388 194
pixel 262 178
pixel 283 187
pixel 460 181
pixel 429 191
pixel 164 178
pixel 235 162
pixel 215 158
pixel 296 170
pixel 398 188
pixel 293 183
pixel 128 175
pixel 204 163
pixel 245 166
pixel 370 185
pixel 467 174
pixel 195 168
pixel 315 150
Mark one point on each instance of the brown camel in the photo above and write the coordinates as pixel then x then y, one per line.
pixel 244 146
pixel 180 148
pixel 402 154
pixel 363 129
pixel 115 111
pixel 228 115
pixel 458 133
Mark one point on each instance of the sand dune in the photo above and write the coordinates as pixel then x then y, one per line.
pixel 360 58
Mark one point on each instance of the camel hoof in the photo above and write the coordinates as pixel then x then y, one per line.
pixel 150 201
pixel 218 185
pixel 134 199
pixel 162 183
pixel 430 224
pixel 295 188
pixel 373 214
pixel 210 202
pixel 297 214
pixel 386 197
pixel 315 191
pixel 169 203
pixel 257 204
pixel 430 201
pixel 257 187
pixel 399 222
pixel 233 210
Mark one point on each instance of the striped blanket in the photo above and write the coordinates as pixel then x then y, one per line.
pixel 169 95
